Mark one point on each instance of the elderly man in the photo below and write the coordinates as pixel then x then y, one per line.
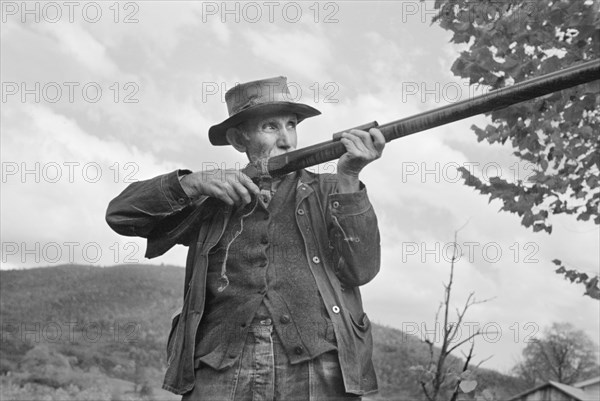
pixel 272 308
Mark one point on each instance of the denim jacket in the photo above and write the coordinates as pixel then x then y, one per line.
pixel 341 241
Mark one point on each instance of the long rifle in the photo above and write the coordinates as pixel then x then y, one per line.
pixel 497 99
pixel 323 152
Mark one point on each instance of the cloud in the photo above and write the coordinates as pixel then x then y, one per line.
pixel 62 179
pixel 77 43
pixel 300 52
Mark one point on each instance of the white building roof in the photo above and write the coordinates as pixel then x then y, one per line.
pixel 587 382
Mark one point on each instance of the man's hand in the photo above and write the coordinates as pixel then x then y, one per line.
pixel 361 149
pixel 231 186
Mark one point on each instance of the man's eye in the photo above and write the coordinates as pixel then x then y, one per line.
pixel 292 124
pixel 269 126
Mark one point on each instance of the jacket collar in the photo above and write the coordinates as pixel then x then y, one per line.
pixel 306 178
pixel 304 187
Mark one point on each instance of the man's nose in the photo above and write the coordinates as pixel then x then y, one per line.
pixel 284 138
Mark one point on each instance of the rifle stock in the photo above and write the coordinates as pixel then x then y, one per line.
pixel 494 100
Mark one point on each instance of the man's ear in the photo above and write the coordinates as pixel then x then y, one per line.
pixel 236 138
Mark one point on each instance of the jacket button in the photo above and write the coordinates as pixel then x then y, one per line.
pixel 316 259
pixel 264 240
pixel 285 319
pixel 335 309
pixel 181 201
pixel 301 212
pixel 336 204
pixel 299 350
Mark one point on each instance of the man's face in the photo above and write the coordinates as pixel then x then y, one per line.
pixel 270 135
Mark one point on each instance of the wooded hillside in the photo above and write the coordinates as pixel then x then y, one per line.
pixel 71 329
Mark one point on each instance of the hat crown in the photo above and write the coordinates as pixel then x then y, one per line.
pixel 256 98
pixel 249 94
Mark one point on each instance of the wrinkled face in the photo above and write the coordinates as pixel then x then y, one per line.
pixel 270 135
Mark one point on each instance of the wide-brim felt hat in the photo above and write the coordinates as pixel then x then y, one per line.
pixel 251 99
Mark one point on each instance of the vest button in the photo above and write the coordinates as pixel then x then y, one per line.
pixel 301 212
pixel 316 259
pixel 181 201
pixel 264 240
pixel 285 319
pixel 335 309
pixel 336 204
pixel 299 350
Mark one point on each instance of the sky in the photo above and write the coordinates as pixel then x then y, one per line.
pixel 96 95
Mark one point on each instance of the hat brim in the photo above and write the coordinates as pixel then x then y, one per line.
pixel 216 133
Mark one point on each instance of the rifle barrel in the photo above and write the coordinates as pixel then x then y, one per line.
pixel 497 99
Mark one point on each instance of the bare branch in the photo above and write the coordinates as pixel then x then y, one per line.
pixel 477 333
pixel 484 360
pixel 442 373
pixel 461 227
pixel 465 368
pixel 423 386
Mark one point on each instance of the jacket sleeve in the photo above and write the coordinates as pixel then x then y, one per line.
pixel 355 237
pixel 157 209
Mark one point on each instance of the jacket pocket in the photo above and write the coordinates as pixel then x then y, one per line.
pixel 172 336
pixel 363 343
pixel 360 326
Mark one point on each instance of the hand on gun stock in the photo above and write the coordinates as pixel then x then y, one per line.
pixel 231 186
pixel 362 148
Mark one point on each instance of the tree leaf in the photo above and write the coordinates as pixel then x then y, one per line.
pixel 468 385
pixel 557 135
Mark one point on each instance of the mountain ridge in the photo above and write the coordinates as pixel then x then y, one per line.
pixel 105 317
